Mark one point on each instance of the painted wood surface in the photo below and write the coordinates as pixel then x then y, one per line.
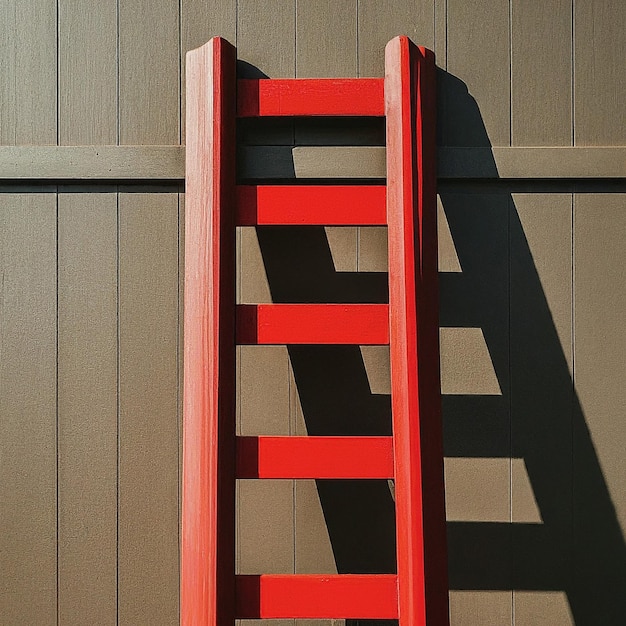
pixel 339 205
pixel 414 337
pixel 208 543
pixel 307 97
pixel 356 596
pixel 356 324
pixel 315 457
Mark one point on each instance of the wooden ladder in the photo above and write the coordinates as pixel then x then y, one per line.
pixel 213 456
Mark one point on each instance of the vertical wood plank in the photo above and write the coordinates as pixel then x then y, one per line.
pixel 541 384
pixel 478 61
pixel 380 22
pixel 599 566
pixel 148 428
pixel 28 85
pixel 28 558
pixel 474 314
pixel 87 72
pixel 331 27
pixel 87 375
pixel 149 78
pixel 266 36
pixel 199 21
pixel 599 73
pixel 541 73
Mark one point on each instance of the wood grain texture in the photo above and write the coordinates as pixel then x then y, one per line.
pixel 87 72
pixel 266 37
pixel 87 405
pixel 599 73
pixel 315 457
pixel 541 391
pixel 599 504
pixel 311 204
pixel 209 412
pixel 199 21
pixel 357 324
pixel 309 596
pixel 331 27
pixel 28 428
pixel 541 73
pixel 478 37
pixel 379 22
pixel 28 86
pixel 148 426
pixel 149 77
pixel 167 163
pixel 414 333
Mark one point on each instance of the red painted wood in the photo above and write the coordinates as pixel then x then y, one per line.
pixel 207 546
pixel 363 596
pixel 356 324
pixel 330 205
pixel 414 334
pixel 314 457
pixel 311 96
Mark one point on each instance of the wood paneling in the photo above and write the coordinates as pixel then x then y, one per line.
pixel 199 21
pixel 149 77
pixel 148 431
pixel 541 395
pixel 599 73
pixel 599 507
pixel 266 37
pixel 87 405
pixel 541 73
pixel 28 423
pixel 476 87
pixel 377 25
pixel 87 72
pixel 331 27
pixel 28 83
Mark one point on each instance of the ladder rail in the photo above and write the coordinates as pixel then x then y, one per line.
pixel 208 484
pixel 414 333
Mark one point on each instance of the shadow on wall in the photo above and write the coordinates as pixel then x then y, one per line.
pixel 579 548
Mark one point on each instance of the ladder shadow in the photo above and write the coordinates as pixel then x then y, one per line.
pixel 579 547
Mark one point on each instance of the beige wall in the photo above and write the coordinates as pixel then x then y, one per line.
pixel 533 291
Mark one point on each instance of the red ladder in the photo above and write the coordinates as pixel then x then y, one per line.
pixel 213 457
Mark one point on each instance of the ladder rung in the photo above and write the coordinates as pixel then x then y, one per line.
pixel 355 596
pixel 335 205
pixel 279 324
pixel 315 457
pixel 313 96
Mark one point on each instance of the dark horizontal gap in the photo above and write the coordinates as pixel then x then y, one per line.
pixel 34 185
pixel 311 181
pixel 531 185
pixel 311 131
pixel 97 186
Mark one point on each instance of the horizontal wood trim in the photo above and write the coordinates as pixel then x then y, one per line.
pixel 158 163
pixel 356 596
pixel 315 457
pixel 92 162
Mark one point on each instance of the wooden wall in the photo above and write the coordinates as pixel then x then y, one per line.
pixel 533 293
